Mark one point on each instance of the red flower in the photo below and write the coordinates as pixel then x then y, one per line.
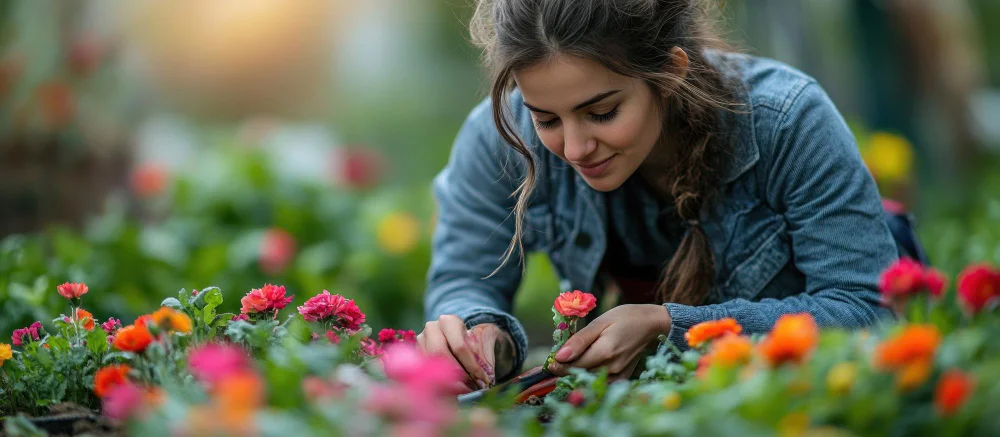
pixel 333 336
pixel 357 167
pixel 408 336
pixel 72 290
pixel 952 390
pixel 978 287
pixel 323 306
pixel 276 251
pixel 267 298
pixel 575 398
pixel 84 54
pixel 149 180
pixel 240 318
pixel 906 277
pixel 575 303
pixel 110 377
pixel 387 335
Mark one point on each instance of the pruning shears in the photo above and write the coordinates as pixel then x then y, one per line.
pixel 533 383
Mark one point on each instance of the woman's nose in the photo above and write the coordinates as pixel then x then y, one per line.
pixel 577 145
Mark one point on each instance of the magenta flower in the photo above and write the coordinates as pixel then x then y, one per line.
pixel 27 335
pixel 324 306
pixel 111 326
pixel 240 318
pixel 371 349
pixel 267 298
pixel 562 326
pixel 212 362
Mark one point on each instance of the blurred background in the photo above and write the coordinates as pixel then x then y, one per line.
pixel 151 145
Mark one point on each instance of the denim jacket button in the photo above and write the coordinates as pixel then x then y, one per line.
pixel 583 240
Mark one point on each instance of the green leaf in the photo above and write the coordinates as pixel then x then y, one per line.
pixel 172 302
pixel 97 341
pixel 114 356
pixel 213 298
pixel 223 319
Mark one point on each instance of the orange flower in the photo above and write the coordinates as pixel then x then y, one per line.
pixel 952 390
pixel 913 375
pixel 706 331
pixel 86 319
pixel 241 391
pixel 110 377
pixel 915 343
pixel 168 319
pixel 730 350
pixel 575 303
pixel 792 340
pixel 57 102
pixel 133 338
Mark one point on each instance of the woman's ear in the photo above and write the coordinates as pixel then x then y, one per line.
pixel 679 62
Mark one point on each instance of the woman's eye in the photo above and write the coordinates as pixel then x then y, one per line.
pixel 546 124
pixel 605 117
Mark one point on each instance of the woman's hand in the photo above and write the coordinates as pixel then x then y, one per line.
pixel 482 351
pixel 614 340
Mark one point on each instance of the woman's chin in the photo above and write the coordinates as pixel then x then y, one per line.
pixel 605 183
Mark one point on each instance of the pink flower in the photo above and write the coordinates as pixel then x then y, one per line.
pixel 387 335
pixel 409 405
pixel 371 349
pixel 575 303
pixel 562 326
pixel 240 318
pixel 316 388
pixel 333 337
pixel 213 362
pixel 72 290
pixel 277 251
pixel 978 287
pixel 907 277
pixel 267 298
pixel 321 307
pixel 357 167
pixel 111 326
pixel 407 365
pixel 128 400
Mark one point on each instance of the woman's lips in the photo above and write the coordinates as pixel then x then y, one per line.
pixel 595 170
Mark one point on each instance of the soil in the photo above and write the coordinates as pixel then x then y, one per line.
pixel 68 419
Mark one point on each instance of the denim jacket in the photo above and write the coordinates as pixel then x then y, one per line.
pixel 797 226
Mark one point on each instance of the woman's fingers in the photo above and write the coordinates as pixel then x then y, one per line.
pixel 435 343
pixel 466 349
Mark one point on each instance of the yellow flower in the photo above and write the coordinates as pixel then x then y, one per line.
pixel 672 401
pixel 398 233
pixel 913 375
pixel 888 156
pixel 5 353
pixel 793 425
pixel 841 377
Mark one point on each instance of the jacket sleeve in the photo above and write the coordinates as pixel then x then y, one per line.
pixel 475 224
pixel 840 242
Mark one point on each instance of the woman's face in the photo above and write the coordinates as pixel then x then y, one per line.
pixel 602 123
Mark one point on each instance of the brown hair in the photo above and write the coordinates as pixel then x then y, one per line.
pixel 633 38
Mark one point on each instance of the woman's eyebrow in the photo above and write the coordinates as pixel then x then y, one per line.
pixel 586 103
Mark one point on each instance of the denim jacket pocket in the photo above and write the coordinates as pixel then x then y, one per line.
pixel 758 250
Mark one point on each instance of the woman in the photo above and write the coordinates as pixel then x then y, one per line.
pixel 705 184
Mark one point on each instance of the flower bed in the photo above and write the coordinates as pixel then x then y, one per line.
pixel 190 369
